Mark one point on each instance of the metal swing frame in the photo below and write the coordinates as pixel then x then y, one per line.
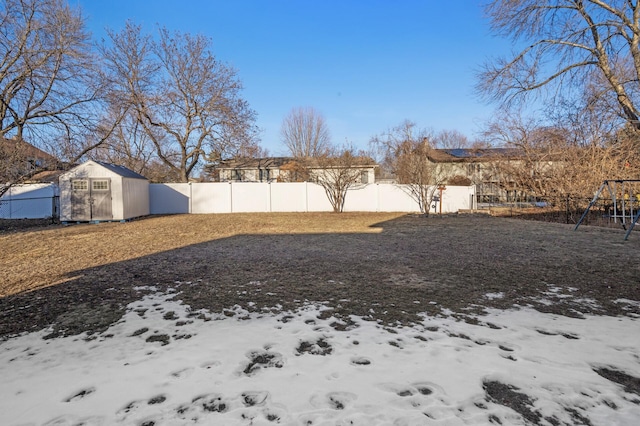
pixel 608 184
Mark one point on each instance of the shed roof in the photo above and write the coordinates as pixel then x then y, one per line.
pixel 114 168
pixel 121 170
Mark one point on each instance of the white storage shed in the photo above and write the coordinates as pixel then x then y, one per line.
pixel 95 191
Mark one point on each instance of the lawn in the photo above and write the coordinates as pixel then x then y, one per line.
pixel 320 319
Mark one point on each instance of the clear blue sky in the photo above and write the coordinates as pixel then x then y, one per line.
pixel 365 65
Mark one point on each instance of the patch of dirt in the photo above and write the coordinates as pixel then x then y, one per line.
pixel 319 347
pixel 630 383
pixel 17 225
pixel 384 267
pixel 509 396
pixel 262 359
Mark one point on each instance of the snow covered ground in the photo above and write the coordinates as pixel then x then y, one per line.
pixel 162 366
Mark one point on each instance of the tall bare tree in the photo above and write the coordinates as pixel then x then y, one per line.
pixel 305 133
pixel 405 151
pixel 451 139
pixel 569 42
pixel 187 102
pixel 50 88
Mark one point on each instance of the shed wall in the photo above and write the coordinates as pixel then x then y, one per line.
pixel 88 170
pixel 135 198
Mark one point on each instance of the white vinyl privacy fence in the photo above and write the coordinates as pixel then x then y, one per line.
pixel 237 197
pixel 30 201
pixel 42 200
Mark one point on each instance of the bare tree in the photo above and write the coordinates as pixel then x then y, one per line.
pixel 569 159
pixel 305 133
pixel 569 42
pixel 451 139
pixel 406 150
pixel 536 164
pixel 187 102
pixel 50 88
pixel 128 146
pixel 419 176
pixel 337 171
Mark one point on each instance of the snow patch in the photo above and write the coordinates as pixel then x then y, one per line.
pixel 166 364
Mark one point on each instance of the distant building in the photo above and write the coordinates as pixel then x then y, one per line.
pixel 280 169
pixel 487 168
pixel 19 159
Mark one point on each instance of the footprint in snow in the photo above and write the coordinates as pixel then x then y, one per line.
pixel 333 400
pixel 319 347
pixel 262 359
pixel 254 398
pixel 210 364
pixel 158 399
pixel 360 360
pixel 181 374
pixel 417 389
pixel 74 420
pixel 133 405
pixel 212 403
pixel 80 394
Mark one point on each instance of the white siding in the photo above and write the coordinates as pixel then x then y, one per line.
pixel 135 198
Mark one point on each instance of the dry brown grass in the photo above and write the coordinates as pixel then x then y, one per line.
pixel 38 258
pixel 390 268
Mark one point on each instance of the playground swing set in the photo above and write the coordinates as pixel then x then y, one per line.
pixel 625 199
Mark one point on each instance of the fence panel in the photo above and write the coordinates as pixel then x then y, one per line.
pixel 395 198
pixel 169 198
pixel 289 197
pixel 30 201
pixel 317 200
pixel 362 198
pixel 256 197
pixel 211 198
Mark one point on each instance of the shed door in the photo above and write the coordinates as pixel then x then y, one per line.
pixel 80 200
pixel 91 199
pixel 101 199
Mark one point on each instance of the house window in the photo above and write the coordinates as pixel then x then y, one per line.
pixel 264 175
pixel 473 169
pixel 237 175
pixel 100 185
pixel 364 177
